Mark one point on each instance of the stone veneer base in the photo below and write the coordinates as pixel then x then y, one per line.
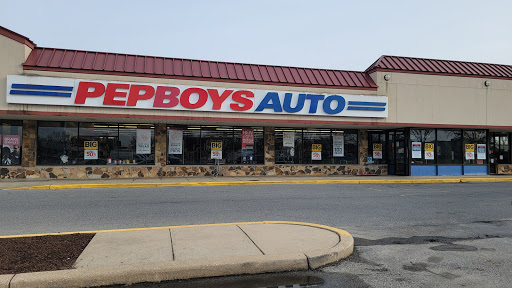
pixel 97 172
pixel 504 169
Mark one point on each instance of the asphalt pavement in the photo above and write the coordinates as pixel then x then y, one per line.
pixel 406 234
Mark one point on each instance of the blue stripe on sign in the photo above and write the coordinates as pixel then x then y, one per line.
pixel 366 108
pixel 42 87
pixel 39 93
pixel 362 103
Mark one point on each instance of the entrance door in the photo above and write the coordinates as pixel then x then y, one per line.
pixel 400 153
pixel 499 151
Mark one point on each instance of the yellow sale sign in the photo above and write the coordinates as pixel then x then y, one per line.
pixel 216 146
pixel 90 145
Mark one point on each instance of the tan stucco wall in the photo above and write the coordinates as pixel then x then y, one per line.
pixel 12 55
pixel 448 100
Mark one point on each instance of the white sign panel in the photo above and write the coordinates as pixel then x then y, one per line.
pixel 481 151
pixel 377 154
pixel 316 155
pixel 216 154
pixel 470 155
pixel 288 139
pixel 175 141
pixel 416 150
pixel 338 144
pixel 90 155
pixel 143 141
pixel 96 93
pixel 429 155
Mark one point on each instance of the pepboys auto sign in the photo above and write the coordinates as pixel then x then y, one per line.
pixel 93 93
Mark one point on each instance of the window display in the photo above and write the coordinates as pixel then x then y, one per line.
pixel 10 142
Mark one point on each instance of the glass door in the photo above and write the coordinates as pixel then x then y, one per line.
pixel 499 151
pixel 400 153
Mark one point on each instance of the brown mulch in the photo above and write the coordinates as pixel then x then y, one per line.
pixel 41 253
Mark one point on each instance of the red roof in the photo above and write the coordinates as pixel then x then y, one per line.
pixel 446 67
pixel 148 66
pixel 17 37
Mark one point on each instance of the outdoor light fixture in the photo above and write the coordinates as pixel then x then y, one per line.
pixel 387 77
pixel 487 83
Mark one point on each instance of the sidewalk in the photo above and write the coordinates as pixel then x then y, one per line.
pixel 183 252
pixel 248 180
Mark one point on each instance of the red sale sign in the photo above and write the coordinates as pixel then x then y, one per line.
pixel 11 140
pixel 247 137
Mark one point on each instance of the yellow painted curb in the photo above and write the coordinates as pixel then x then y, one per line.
pixel 267 182
pixel 340 232
pixel 469 180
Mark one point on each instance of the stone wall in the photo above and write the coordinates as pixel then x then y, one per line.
pixel 269 139
pixel 504 169
pixel 160 145
pixel 115 171
pixel 29 143
pixel 362 136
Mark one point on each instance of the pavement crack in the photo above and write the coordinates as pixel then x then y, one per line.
pixel 307 260
pixel 418 240
pixel 10 280
pixel 263 253
pixel 172 245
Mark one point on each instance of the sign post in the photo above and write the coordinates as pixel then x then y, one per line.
pixel 377 151
pixel 316 152
pixel 90 150
pixel 470 151
pixel 216 153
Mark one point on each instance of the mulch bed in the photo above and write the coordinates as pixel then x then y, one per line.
pixel 41 253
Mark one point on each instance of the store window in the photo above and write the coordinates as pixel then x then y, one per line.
pixel 315 146
pixel 69 143
pixel 350 147
pixel 288 146
pixel 475 147
pixel 499 152
pixel 423 146
pixel 449 146
pixel 192 145
pixel 57 143
pixel 10 142
pixel 136 144
pixel 376 145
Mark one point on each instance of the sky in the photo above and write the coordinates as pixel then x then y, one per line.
pixel 343 35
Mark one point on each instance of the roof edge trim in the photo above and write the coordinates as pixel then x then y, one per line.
pixel 437 73
pixel 192 78
pixel 17 37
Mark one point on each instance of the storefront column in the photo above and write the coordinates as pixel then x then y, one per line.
pixel 160 145
pixel 269 146
pixel 29 143
pixel 362 135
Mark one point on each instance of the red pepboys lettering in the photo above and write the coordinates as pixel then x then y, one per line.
pixel 218 100
pixel 166 97
pixel 112 92
pixel 238 96
pixel 136 95
pixel 83 92
pixel 185 98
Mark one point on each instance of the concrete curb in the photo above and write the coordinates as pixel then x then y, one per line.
pixel 266 182
pixel 5 280
pixel 161 271
pixel 178 270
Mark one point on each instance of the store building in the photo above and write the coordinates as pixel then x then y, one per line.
pixel 83 114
